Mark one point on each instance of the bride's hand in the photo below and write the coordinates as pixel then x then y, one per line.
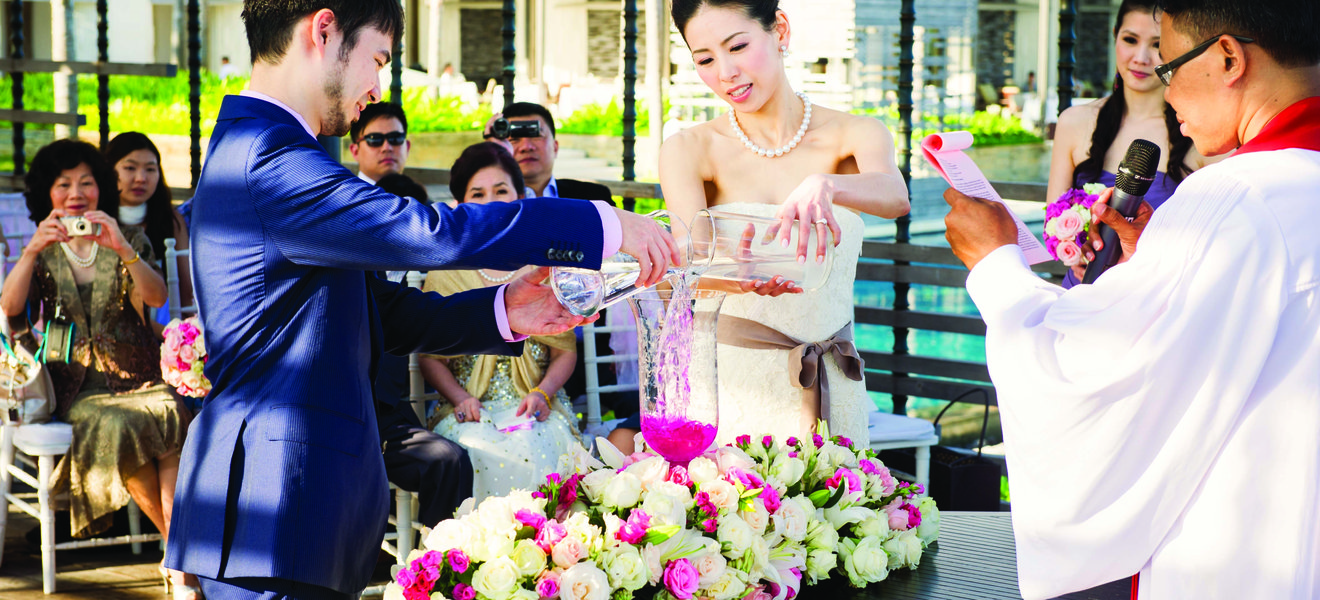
pixel 811 205
pixel 777 286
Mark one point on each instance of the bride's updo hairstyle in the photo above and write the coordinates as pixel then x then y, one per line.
pixel 763 11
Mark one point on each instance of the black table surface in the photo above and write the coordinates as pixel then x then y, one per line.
pixel 974 559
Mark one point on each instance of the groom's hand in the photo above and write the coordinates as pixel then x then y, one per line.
pixel 650 244
pixel 533 309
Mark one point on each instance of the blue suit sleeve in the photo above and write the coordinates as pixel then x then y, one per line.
pixel 417 321
pixel 317 213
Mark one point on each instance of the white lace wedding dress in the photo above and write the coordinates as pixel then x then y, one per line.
pixel 755 393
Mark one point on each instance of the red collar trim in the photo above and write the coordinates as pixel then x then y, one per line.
pixel 1298 126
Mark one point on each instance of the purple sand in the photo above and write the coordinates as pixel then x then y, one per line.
pixel 679 440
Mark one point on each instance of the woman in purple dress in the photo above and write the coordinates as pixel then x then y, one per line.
pixel 1092 138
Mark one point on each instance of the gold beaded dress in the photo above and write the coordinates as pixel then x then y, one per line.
pixel 505 461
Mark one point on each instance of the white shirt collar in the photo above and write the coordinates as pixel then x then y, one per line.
pixel 551 190
pixel 363 177
pixel 261 96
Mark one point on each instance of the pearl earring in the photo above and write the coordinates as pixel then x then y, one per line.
pixel 783 51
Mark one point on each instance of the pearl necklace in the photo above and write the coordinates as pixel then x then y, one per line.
pixel 507 277
pixel 78 260
pixel 806 122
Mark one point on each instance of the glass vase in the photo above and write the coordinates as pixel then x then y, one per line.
pixel 676 370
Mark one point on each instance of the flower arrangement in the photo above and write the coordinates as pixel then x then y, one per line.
pixel 753 520
pixel 182 357
pixel 1068 220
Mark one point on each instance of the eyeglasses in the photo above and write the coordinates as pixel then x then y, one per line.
pixel 1165 71
pixel 376 140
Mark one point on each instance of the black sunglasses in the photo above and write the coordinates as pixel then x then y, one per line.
pixel 376 140
pixel 1165 71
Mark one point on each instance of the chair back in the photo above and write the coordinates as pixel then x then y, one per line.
pixel 417 395
pixel 592 358
pixel 172 255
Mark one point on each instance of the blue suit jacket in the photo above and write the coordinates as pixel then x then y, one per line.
pixel 281 474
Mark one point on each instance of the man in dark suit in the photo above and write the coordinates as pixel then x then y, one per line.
pixel 282 490
pixel 536 156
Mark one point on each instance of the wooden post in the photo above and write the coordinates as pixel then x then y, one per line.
pixel 1067 39
pixel 510 52
pixel 195 86
pixel 103 81
pixel 17 52
pixel 434 11
pixel 629 90
pixel 907 18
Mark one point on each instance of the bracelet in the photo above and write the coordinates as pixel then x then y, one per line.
pixel 136 257
pixel 542 393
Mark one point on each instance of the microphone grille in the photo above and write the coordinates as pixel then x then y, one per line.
pixel 1137 171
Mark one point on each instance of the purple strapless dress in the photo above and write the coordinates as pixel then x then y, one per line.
pixel 1159 191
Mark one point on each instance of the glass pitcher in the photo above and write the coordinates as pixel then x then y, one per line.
pixel 744 248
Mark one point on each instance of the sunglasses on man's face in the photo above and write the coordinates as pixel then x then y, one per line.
pixel 1165 71
pixel 376 140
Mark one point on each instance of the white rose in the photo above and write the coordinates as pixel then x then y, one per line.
pixel 523 500
pixel 820 534
pixel 466 508
pixel 867 562
pixel 904 550
pixel 792 518
pixel 192 380
pixel 493 546
pixel 453 533
pixel 757 518
pixel 496 515
pixel 623 491
pixel 529 557
pixel 593 485
pixel 787 470
pixel 584 581
pixel 497 578
pixel 568 552
pixel 393 592
pixel 579 524
pixel 626 568
pixel 838 516
pixel 732 457
pixel 820 563
pixel 650 471
pixel 760 553
pixel 930 521
pixel 722 494
pixel 520 594
pixel 733 584
pixel 702 469
pixel 873 527
pixel 710 566
pixel 652 553
pixel 735 536
pixel 667 503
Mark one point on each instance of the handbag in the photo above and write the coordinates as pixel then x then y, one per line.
pixel 28 388
pixel 959 478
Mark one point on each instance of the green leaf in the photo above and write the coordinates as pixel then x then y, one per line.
pixel 819 498
pixel 838 494
pixel 660 534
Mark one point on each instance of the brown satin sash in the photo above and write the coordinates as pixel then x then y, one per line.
pixel 804 360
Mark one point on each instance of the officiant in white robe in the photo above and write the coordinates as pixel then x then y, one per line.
pixel 1166 420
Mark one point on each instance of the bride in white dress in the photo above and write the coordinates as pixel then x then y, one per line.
pixel 777 155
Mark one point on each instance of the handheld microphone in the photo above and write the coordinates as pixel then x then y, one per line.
pixel 1135 174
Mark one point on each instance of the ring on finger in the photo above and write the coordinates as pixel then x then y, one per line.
pixel 822 221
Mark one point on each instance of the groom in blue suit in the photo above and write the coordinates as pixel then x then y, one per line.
pixel 282 490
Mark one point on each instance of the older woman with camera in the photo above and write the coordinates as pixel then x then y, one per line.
pixel 80 271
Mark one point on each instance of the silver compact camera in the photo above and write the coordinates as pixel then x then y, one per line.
pixel 80 226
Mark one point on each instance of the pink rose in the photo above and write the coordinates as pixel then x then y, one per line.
pixel 681 578
pixel 550 534
pixel 172 343
pixel 530 518
pixel 570 551
pixel 548 586
pixel 458 561
pixel 899 519
pixel 187 354
pixel 1068 225
pixel 1069 254
pixel 464 591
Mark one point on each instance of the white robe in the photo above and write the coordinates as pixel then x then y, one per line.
pixel 1167 419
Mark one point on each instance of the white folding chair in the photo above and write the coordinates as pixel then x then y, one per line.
pixel 890 431
pixel 172 255
pixel 24 448
pixel 592 359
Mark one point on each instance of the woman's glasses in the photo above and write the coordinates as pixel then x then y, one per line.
pixel 376 140
pixel 1165 71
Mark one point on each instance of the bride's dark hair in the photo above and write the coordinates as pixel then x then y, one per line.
pixel 762 11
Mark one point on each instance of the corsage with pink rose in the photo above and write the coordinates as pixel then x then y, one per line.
pixel 755 520
pixel 183 356
pixel 1068 221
